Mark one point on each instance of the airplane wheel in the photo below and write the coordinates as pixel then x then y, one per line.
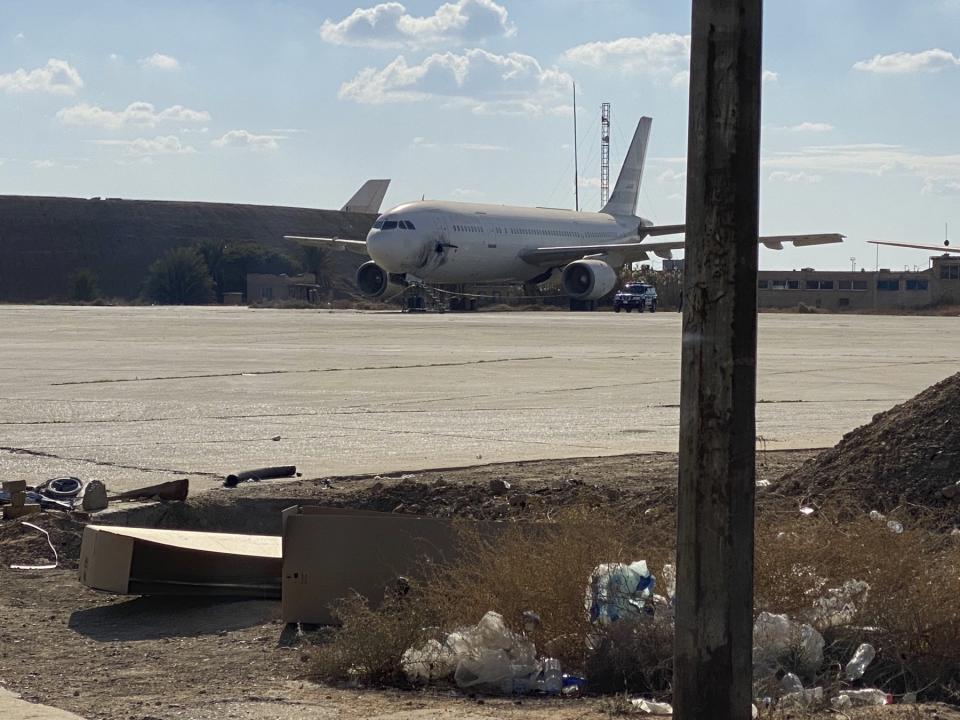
pixel 653 306
pixel 616 308
pixel 629 308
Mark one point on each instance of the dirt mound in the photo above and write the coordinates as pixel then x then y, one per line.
pixel 496 500
pixel 905 456
pixel 22 545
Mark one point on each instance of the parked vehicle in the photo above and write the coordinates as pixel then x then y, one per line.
pixel 635 296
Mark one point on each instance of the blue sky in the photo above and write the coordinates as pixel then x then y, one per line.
pixel 296 103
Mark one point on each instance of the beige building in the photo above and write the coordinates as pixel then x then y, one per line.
pixel 268 288
pixel 862 290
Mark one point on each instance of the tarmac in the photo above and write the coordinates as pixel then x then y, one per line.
pixel 137 395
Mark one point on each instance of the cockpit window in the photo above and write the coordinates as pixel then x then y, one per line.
pixel 378 224
pixel 389 224
pixel 407 224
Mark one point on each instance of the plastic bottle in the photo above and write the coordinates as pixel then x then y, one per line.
pixel 894 526
pixel 858 663
pixel 790 683
pixel 870 696
pixel 552 676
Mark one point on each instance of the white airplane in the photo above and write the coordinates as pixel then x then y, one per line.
pixel 431 242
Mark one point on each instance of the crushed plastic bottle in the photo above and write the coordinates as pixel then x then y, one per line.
pixel 670 580
pixel 790 683
pixel 877 515
pixel 552 676
pixel 858 663
pixel 894 527
pixel 841 702
pixel 869 696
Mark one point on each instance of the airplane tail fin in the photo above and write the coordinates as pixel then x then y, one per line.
pixel 623 199
pixel 368 198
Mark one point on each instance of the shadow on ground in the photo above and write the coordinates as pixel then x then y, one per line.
pixel 154 618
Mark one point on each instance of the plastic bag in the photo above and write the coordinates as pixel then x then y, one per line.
pixel 776 637
pixel 616 590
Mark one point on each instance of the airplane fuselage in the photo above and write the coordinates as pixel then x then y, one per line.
pixel 452 242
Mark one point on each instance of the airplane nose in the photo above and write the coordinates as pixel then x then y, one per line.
pixel 385 250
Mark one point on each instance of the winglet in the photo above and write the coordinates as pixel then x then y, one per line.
pixel 623 200
pixel 368 198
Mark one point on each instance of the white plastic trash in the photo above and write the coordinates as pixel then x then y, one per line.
pixel 863 656
pixel 777 636
pixel 790 683
pixel 651 707
pixel 431 661
pixel 869 696
pixel 616 590
pixel 894 527
pixel 803 698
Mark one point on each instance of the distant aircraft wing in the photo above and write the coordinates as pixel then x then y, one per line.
pixel 355 246
pixel 637 251
pixel 931 248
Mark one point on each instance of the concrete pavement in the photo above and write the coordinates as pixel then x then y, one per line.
pixel 135 395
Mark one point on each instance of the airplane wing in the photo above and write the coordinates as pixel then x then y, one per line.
pixel 638 251
pixel 355 246
pixel 931 248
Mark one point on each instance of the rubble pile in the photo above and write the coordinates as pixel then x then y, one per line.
pixel 908 454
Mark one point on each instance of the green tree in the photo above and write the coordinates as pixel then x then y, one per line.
pixel 180 277
pixel 243 257
pixel 314 260
pixel 84 286
pixel 212 252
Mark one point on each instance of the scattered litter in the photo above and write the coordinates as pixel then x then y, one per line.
pixel 652 707
pixel 868 696
pixel 841 702
pixel 172 490
pixel 839 605
pixel 763 483
pixel 616 590
pixel 267 473
pixel 17 497
pixel 858 663
pixel 94 496
pixel 908 698
pixel 790 683
pixel 807 510
pixel 60 488
pixel 876 515
pixel 56 559
pixel 776 637
pixel 670 580
pixel 803 698
pixel 275 438
pixel 894 527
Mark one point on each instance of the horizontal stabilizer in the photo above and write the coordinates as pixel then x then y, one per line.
pixel 931 248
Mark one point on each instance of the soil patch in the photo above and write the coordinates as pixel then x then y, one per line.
pixel 905 457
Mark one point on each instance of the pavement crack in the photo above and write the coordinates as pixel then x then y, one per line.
pixel 249 373
pixel 102 463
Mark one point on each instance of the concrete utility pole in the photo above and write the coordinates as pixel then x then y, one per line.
pixel 714 621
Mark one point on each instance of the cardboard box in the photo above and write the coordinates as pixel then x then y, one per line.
pixel 147 561
pixel 330 552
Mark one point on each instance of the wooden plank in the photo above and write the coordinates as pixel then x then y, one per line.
pixel 712 662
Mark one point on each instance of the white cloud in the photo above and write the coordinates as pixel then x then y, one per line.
pixel 940 186
pixel 43 164
pixel 466 193
pixel 57 77
pixel 159 61
pixel 938 172
pixel 421 143
pixel 244 139
pixel 142 147
pixel 901 63
pixel 19 37
pixel 815 127
pixel 797 177
pixel 658 55
pixel 480 80
pixel 390 25
pixel 769 76
pixel 588 182
pixel 136 114
pixel 654 54
pixel 113 57
pixel 668 176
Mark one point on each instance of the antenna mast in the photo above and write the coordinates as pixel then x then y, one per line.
pixel 604 153
pixel 576 170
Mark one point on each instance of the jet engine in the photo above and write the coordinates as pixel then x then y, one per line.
pixel 588 279
pixel 375 282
